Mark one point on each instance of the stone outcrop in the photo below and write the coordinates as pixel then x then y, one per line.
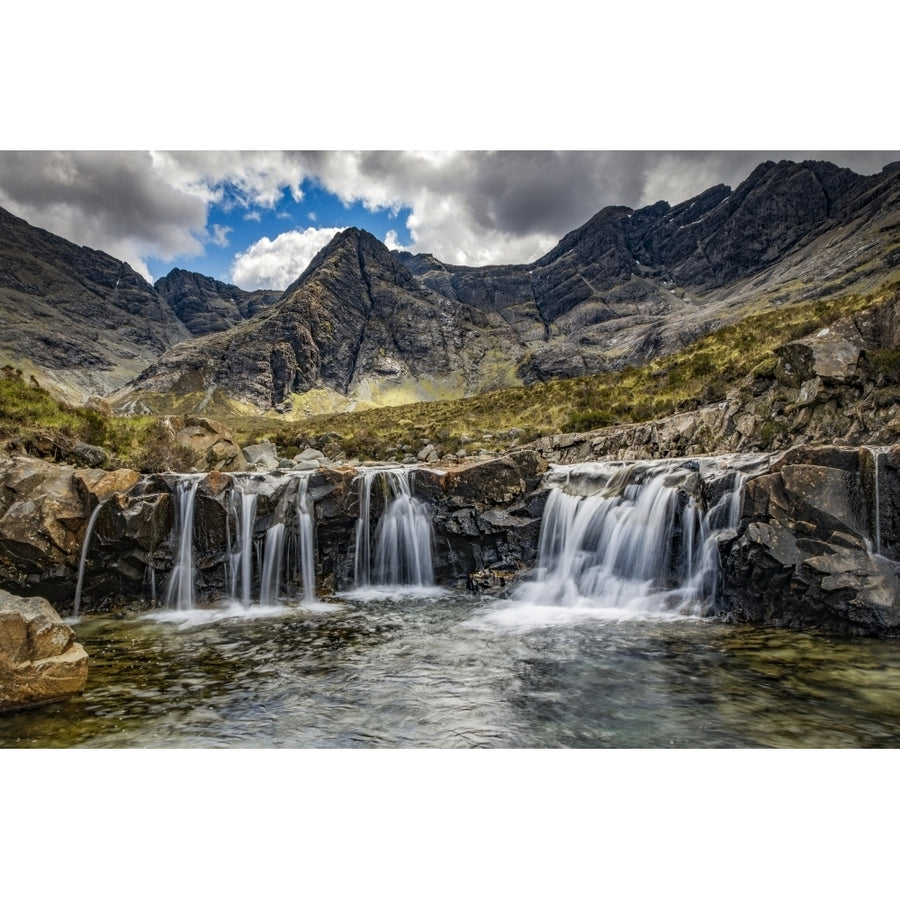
pixel 487 515
pixel 211 442
pixel 40 660
pixel 825 389
pixel 42 522
pixel 805 552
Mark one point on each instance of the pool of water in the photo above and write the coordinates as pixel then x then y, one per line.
pixel 454 671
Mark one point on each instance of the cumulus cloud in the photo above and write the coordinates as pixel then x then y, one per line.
pixel 220 235
pixel 234 177
pixel 392 242
pixel 109 201
pixel 276 263
pixel 466 207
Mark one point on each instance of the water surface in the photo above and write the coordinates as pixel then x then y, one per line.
pixel 455 671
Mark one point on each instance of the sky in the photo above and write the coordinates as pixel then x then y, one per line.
pixel 256 218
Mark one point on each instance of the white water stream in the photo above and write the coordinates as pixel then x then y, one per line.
pixel 632 537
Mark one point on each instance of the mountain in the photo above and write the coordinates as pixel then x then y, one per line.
pixel 364 324
pixel 629 284
pixel 356 323
pixel 205 305
pixel 80 320
pixel 85 323
pixel 367 326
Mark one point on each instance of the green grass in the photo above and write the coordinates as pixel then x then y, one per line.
pixel 732 357
pixel 33 421
pixel 702 373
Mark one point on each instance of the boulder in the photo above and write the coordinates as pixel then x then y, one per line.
pixel 89 455
pixel 40 660
pixel 42 521
pixel 825 356
pixel 804 554
pixel 261 457
pixel 210 441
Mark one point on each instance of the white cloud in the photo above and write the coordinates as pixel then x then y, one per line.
pixel 276 263
pixel 234 177
pixel 115 202
pixel 253 216
pixel 391 242
pixel 220 235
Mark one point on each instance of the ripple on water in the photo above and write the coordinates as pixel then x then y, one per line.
pixel 463 671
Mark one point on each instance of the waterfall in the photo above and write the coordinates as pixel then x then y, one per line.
pixel 270 582
pixel 305 527
pixel 84 552
pixel 243 510
pixel 180 593
pixel 403 536
pixel 288 550
pixel 632 537
pixel 876 456
pixel 361 565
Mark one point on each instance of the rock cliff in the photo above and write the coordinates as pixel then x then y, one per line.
pixel 205 305
pixel 628 286
pixel 83 322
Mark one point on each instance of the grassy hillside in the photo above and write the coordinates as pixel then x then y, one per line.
pixel 31 420
pixel 701 373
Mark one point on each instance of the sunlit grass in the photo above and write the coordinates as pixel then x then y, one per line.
pixel 705 372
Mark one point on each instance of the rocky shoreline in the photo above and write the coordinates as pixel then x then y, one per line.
pixel 815 546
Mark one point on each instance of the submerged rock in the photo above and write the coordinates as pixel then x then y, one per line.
pixel 40 661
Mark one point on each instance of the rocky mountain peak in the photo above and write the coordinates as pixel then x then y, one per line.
pixel 206 305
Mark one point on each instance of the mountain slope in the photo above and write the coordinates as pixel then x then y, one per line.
pixel 205 305
pixel 628 285
pixel 81 320
pixel 355 324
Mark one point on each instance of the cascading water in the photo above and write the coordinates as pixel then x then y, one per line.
pixel 243 511
pixel 403 536
pixel 180 593
pixel 270 581
pixel 287 551
pixel 876 457
pixel 305 529
pixel 631 537
pixel 84 552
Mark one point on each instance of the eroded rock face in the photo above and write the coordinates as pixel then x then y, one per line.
pixel 40 660
pixel 212 443
pixel 487 515
pixel 805 553
pixel 42 519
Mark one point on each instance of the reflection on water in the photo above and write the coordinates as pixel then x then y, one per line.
pixel 457 671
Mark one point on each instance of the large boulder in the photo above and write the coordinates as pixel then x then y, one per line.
pixel 211 442
pixel 40 660
pixel 42 522
pixel 806 550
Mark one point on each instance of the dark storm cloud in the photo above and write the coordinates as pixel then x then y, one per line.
pixel 113 201
pixel 468 207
